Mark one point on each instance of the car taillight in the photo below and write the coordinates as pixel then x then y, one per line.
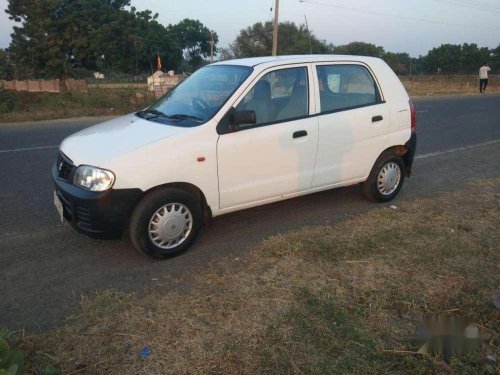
pixel 413 117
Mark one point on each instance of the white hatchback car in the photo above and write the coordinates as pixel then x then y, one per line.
pixel 234 135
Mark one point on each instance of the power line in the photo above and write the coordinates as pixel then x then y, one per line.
pixel 397 16
pixel 484 4
pixel 470 5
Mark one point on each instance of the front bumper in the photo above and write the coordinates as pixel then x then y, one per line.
pixel 97 214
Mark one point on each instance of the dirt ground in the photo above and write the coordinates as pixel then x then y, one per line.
pixel 353 298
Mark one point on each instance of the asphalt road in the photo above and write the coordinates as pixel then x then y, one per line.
pixel 45 267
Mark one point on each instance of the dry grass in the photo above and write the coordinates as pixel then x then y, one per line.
pixel 447 85
pixel 343 299
pixel 97 102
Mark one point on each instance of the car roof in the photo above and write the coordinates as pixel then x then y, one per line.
pixel 293 59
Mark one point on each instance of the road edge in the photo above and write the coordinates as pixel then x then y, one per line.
pixel 60 120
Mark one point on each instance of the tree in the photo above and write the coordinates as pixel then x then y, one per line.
pixel 359 49
pixel 495 59
pixel 151 39
pixel 57 35
pixel 443 59
pixel 456 58
pixel 195 39
pixel 257 40
pixel 6 67
pixel 473 57
pixel 399 62
pixel 55 38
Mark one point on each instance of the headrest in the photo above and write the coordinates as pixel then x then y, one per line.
pixel 262 91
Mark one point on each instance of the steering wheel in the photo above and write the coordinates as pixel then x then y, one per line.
pixel 200 105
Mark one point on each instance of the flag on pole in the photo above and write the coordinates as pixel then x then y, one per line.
pixel 158 61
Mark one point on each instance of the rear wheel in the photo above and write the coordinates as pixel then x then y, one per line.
pixel 165 222
pixel 386 178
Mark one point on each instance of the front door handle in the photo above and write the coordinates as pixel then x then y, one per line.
pixel 300 133
pixel 377 118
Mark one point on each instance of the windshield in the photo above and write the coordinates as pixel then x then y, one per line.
pixel 199 97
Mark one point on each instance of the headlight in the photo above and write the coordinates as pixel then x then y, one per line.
pixel 93 179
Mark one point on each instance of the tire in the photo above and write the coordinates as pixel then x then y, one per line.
pixel 379 192
pixel 165 223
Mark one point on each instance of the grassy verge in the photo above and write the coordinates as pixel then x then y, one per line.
pixel 343 299
pixel 97 102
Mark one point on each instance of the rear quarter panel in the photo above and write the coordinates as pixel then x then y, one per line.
pixel 397 100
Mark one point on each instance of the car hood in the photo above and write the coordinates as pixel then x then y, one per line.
pixel 101 143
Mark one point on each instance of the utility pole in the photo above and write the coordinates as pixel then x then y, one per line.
pixel 212 46
pixel 136 72
pixel 309 35
pixel 275 32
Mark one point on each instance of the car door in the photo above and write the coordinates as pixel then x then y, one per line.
pixel 353 123
pixel 275 156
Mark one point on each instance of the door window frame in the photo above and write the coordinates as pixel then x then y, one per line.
pixel 378 92
pixel 311 97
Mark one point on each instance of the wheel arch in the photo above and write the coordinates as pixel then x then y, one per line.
pixel 406 152
pixel 192 189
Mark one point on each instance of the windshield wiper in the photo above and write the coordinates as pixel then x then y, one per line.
pixel 184 116
pixel 153 112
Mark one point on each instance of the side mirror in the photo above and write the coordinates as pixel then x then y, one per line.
pixel 243 117
pixel 233 119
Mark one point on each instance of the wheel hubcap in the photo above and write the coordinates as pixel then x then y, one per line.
pixel 170 225
pixel 389 178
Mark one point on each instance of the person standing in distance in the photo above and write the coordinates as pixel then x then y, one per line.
pixel 483 77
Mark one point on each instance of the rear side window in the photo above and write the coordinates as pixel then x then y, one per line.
pixel 343 87
pixel 278 96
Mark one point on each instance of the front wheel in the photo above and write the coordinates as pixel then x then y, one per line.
pixel 386 178
pixel 165 223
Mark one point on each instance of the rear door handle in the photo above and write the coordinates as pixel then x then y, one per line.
pixel 377 118
pixel 300 133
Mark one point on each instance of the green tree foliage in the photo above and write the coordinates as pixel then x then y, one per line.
pixel 59 38
pixel 495 57
pixel 399 62
pixel 6 67
pixel 52 38
pixel 257 40
pixel 194 38
pixel 359 49
pixel 152 38
pixel 455 58
pixel 473 57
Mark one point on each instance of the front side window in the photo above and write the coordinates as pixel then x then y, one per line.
pixel 345 86
pixel 278 96
pixel 199 97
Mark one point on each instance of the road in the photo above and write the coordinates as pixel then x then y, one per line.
pixel 46 267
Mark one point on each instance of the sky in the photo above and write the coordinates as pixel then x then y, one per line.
pixel 397 25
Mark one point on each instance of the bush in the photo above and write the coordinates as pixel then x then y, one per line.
pixel 11 360
pixel 8 101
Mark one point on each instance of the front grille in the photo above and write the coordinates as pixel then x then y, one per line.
pixel 83 217
pixel 65 167
pixel 66 206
